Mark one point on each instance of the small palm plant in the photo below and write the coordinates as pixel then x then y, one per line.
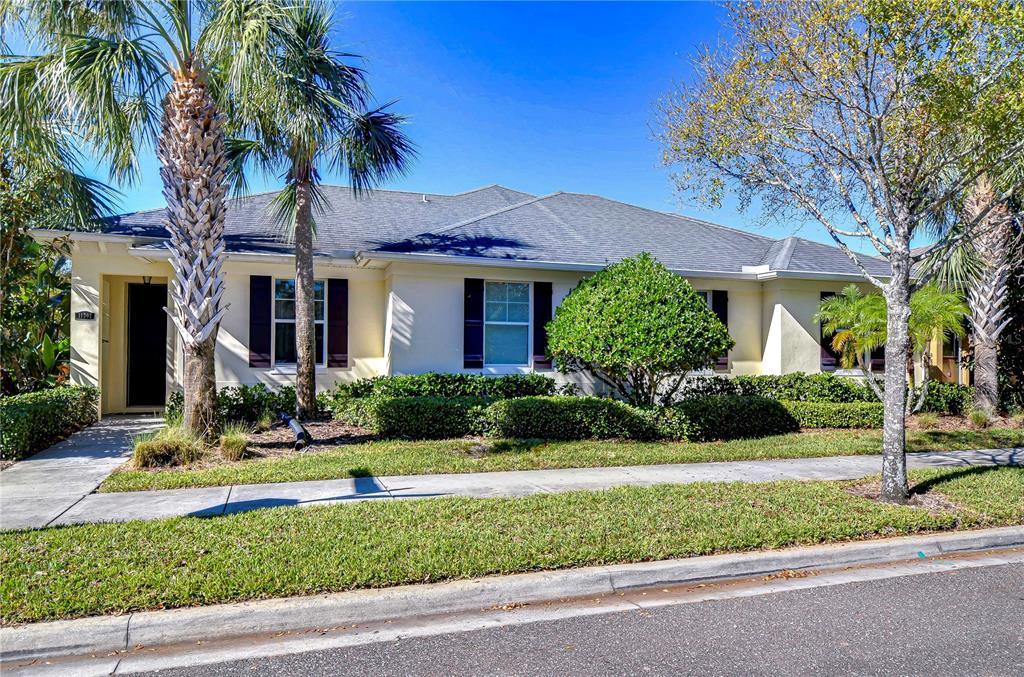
pixel 311 114
pixel 113 70
pixel 858 322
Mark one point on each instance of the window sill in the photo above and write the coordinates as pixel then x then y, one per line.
pixel 291 369
pixel 506 370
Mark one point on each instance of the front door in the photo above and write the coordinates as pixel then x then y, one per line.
pixel 147 344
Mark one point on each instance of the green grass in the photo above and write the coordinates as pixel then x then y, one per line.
pixel 456 456
pixel 111 568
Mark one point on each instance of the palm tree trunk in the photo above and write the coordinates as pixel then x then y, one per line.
pixel 305 336
pixel 894 458
pixel 192 168
pixel 987 292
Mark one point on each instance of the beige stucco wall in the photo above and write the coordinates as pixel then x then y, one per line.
pixel 790 335
pixel 101 271
pixel 404 318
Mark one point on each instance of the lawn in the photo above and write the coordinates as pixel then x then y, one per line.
pixel 112 568
pixel 461 456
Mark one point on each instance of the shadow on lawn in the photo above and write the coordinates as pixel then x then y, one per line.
pixel 935 483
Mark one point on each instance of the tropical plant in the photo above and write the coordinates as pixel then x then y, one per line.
pixel 857 322
pixel 310 114
pixel 112 69
pixel 639 328
pixel 868 118
pixel 981 267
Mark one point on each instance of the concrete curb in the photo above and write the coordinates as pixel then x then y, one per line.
pixel 108 634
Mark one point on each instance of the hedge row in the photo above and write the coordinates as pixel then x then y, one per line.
pixel 449 385
pixel 948 398
pixel 836 415
pixel 33 421
pixel 245 403
pixel 798 387
pixel 575 418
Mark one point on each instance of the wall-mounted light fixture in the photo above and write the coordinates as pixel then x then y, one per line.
pixel 146 279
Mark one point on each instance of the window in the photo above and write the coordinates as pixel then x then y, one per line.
pixel 506 323
pixel 284 321
pixel 830 359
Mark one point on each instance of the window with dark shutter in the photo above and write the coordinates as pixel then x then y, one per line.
pixel 260 300
pixel 473 324
pixel 720 307
pixel 829 357
pixel 337 323
pixel 541 316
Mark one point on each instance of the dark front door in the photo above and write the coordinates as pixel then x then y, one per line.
pixel 147 344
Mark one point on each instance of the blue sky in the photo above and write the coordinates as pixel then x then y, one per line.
pixel 539 97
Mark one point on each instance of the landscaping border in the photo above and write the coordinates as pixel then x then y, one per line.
pixel 154 628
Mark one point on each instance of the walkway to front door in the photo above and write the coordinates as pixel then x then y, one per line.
pixel 38 490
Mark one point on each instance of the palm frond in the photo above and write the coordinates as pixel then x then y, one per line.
pixel 374 149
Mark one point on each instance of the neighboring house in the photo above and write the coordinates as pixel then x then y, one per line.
pixel 412 282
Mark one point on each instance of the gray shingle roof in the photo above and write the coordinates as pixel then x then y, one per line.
pixel 495 222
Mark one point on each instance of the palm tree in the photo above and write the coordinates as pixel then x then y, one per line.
pixel 980 266
pixel 113 69
pixel 858 324
pixel 313 113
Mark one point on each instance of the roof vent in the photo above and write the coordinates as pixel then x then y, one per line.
pixel 424 199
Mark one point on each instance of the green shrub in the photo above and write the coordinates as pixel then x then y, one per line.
pixel 169 446
pixel 33 421
pixel 234 441
pixel 948 398
pixel 800 386
pixel 637 325
pixel 425 418
pixel 569 418
pixel 836 414
pixel 248 403
pixel 353 411
pixel 448 385
pixel 726 417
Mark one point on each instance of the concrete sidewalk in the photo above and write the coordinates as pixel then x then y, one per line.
pixel 210 501
pixel 39 489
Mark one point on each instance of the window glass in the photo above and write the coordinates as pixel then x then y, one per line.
pixel 506 344
pixel 506 323
pixel 284 321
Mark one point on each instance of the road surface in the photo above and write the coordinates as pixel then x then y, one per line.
pixel 966 622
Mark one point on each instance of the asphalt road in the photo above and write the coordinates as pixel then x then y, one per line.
pixel 968 622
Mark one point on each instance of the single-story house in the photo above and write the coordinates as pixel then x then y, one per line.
pixel 413 282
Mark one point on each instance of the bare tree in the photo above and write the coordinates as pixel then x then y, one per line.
pixel 869 119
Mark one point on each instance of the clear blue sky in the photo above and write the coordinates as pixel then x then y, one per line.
pixel 539 97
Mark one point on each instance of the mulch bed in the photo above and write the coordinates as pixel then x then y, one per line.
pixel 932 501
pixel 326 433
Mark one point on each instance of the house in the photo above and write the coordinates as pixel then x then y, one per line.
pixel 413 282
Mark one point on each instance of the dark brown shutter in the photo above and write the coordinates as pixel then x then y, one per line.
pixel 337 323
pixel 541 316
pixel 720 306
pixel 260 298
pixel 473 324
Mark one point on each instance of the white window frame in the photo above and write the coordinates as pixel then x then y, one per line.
pixel 291 367
pixel 511 368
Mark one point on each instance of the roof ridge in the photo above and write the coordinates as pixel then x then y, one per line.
pixel 679 216
pixel 478 217
pixel 782 260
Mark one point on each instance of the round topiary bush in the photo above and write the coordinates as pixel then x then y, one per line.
pixel 637 327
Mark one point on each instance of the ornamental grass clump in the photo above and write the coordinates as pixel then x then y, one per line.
pixel 171 446
pixel 234 441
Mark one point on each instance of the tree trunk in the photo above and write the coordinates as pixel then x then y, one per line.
pixel 894 459
pixel 200 412
pixel 987 292
pixel 192 168
pixel 305 331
